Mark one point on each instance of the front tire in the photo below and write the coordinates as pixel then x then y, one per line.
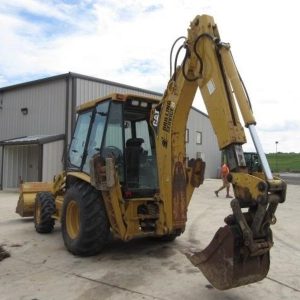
pixel 170 237
pixel 43 211
pixel 85 226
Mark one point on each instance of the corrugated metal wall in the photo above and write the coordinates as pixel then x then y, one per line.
pixel 52 159
pixel 46 103
pixel 88 90
pixel 209 148
pixel 1 157
pixel 20 163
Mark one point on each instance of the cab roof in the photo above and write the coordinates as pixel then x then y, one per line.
pixel 116 97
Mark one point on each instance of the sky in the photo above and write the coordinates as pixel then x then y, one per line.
pixel 129 42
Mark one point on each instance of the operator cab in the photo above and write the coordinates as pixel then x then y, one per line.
pixel 118 127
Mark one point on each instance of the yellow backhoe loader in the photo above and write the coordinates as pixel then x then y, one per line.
pixel 128 173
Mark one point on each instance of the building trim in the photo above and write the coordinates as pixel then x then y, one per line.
pixel 200 112
pixel 40 162
pixel 66 121
pixel 73 102
pixel 80 76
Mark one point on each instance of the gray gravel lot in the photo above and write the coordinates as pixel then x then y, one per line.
pixel 40 267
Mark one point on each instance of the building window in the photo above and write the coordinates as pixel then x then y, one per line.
pixel 198 138
pixel 199 155
pixel 187 135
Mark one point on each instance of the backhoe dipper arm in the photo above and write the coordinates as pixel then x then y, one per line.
pixel 239 252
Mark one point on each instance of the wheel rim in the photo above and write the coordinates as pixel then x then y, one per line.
pixel 72 219
pixel 38 213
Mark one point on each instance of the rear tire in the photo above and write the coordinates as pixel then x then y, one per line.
pixel 43 211
pixel 85 226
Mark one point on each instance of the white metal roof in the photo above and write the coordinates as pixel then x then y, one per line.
pixel 32 139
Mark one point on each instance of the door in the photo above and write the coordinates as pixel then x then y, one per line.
pixel 20 163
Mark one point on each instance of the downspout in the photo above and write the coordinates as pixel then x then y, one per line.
pixel 40 163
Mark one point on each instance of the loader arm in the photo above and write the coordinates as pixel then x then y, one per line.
pixel 239 252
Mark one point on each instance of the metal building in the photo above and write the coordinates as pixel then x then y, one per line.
pixel 202 142
pixel 37 119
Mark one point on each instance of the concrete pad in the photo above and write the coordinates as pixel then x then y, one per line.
pixel 41 268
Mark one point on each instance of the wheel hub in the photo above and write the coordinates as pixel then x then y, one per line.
pixel 38 213
pixel 73 220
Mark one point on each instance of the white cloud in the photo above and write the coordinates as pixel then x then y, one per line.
pixel 129 41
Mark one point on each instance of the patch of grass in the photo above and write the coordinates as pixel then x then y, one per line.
pixel 284 162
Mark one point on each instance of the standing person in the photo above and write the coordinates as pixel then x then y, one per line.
pixel 226 184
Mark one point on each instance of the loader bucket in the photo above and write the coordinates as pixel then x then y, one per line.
pixel 28 191
pixel 225 261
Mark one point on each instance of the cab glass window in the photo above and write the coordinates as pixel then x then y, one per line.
pixel 97 130
pixel 113 140
pixel 76 150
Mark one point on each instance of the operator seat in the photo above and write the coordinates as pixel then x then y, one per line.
pixel 133 154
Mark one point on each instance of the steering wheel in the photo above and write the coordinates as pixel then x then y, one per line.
pixel 114 152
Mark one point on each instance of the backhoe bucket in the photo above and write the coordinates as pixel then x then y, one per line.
pixel 226 263
pixel 28 191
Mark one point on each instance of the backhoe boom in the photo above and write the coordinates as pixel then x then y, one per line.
pixel 239 252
